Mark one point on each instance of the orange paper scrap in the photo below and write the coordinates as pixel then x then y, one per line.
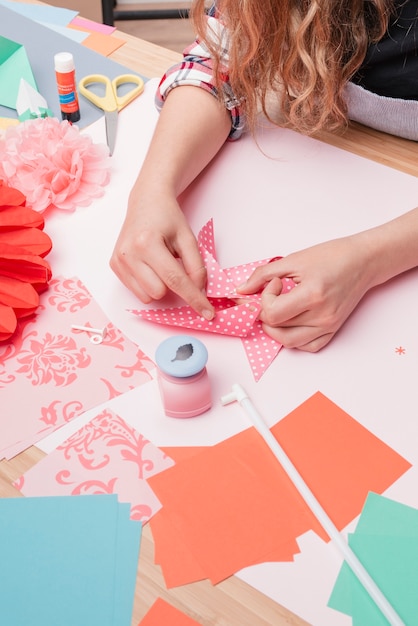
pixel 232 505
pixel 100 42
pixel 179 453
pixel 164 614
pixel 103 44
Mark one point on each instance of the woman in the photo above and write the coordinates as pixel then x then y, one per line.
pixel 323 62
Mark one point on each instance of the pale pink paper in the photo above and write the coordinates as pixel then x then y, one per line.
pixel 104 456
pixel 50 374
pixel 232 319
pixel 91 26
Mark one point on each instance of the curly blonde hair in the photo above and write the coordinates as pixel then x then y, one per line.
pixel 304 51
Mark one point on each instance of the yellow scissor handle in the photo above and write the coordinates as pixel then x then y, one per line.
pixel 127 79
pixel 110 101
pixel 107 102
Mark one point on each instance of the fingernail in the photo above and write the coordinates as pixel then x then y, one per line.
pixel 208 314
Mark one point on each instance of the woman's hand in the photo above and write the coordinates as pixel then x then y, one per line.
pixel 331 278
pixel 156 252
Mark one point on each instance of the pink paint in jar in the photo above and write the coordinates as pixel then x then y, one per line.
pixel 182 376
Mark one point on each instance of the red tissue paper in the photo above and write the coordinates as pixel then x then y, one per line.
pixel 24 272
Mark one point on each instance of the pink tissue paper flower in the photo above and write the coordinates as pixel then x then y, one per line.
pixel 53 164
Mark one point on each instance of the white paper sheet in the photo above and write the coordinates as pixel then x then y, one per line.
pixel 292 193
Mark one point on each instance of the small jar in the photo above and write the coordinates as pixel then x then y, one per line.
pixel 182 376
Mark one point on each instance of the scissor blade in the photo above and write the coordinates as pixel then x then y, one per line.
pixel 111 118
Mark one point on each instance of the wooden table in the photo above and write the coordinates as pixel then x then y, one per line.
pixel 232 602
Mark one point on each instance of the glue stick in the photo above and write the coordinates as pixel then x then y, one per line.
pixel 67 89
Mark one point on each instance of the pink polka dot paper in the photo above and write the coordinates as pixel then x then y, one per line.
pixel 232 318
pixel 235 320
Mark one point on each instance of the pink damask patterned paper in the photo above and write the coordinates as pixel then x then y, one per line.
pixel 105 456
pixel 50 373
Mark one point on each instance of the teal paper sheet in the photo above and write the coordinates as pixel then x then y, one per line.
pixel 67 560
pixel 386 542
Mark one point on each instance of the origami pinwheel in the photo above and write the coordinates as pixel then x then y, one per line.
pixel 232 318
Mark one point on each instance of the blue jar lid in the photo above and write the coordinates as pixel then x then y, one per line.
pixel 181 356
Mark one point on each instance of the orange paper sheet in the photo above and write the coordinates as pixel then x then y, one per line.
pixel 104 44
pixel 163 614
pixel 100 42
pixel 232 505
pixel 179 453
pixel 174 548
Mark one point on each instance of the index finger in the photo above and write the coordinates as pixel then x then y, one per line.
pixel 176 278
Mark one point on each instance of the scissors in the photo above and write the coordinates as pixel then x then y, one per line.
pixel 111 102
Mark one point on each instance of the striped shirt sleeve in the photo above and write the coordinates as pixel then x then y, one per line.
pixel 196 69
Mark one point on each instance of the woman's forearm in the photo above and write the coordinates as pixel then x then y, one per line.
pixel 391 248
pixel 191 129
pixel 155 235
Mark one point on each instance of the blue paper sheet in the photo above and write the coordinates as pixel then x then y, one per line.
pixel 67 560
pixel 41 12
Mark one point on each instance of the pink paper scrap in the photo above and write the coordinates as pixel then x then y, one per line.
pixel 90 25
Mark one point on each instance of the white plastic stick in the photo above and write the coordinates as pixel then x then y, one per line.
pixel 239 395
pixel 89 329
pixel 96 334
